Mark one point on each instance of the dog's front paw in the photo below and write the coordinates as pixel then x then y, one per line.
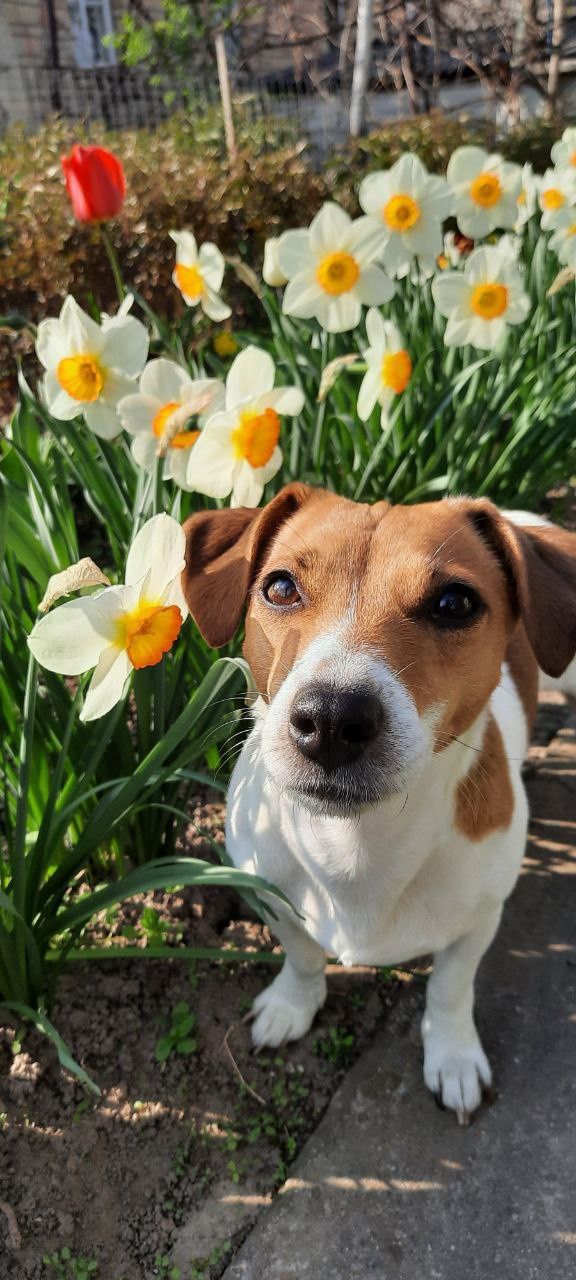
pixel 457 1072
pixel 286 1009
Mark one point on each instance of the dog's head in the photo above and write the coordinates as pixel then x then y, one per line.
pixel 375 634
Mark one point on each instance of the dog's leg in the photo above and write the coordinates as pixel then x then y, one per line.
pixel 455 1065
pixel 285 1010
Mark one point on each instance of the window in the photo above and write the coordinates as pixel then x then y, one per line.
pixel 90 20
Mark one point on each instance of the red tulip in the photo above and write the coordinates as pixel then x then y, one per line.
pixel 95 183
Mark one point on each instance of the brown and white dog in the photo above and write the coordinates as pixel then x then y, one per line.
pixel 396 654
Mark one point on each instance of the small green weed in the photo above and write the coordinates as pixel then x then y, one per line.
pixel 70 1268
pixel 337 1046
pixel 178 1038
pixel 201 1266
pixel 164 1269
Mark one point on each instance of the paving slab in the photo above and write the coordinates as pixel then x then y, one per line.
pixel 389 1187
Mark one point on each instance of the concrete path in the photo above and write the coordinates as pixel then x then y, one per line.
pixel 389 1188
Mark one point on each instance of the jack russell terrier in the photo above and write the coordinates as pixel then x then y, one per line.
pixel 395 650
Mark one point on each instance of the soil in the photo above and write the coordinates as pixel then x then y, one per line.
pixel 175 1159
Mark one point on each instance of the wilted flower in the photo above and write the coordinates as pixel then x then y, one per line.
pixel 90 367
pixel 95 183
pixel 486 190
pixel 564 151
pixel 482 300
pixel 389 367
pixel 557 194
pixel 237 452
pixel 408 206
pixel 331 269
pixel 198 275
pixel 120 628
pixel 158 416
pixel 271 270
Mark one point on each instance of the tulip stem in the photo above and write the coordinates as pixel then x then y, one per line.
pixel 113 260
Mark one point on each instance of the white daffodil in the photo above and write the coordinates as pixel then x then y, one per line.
pixel 564 151
pixel 120 628
pixel 237 452
pixel 89 366
pixel 456 249
pixel 271 270
pixel 389 367
pixel 557 194
pixel 158 416
pixel 198 275
pixel 486 189
pixel 563 242
pixel 408 204
pixel 527 201
pixel 482 300
pixel 331 269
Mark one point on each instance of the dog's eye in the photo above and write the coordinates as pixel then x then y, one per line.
pixel 456 604
pixel 280 589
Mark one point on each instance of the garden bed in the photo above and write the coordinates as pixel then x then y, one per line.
pixel 176 1157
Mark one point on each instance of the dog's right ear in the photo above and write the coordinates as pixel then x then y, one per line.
pixel 224 550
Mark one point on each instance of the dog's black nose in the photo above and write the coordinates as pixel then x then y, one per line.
pixel 334 726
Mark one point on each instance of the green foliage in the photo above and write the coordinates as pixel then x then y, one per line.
pixel 178 1038
pixel 65 1265
pixel 336 1047
pixel 179 39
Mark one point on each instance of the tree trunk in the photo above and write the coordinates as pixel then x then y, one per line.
pixel 224 82
pixel 558 26
pixel 362 66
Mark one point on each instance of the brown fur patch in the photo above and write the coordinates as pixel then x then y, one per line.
pixel 524 672
pixel 484 797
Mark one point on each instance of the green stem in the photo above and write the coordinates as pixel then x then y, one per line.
pixel 113 260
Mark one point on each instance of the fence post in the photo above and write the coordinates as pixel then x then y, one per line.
pixel 224 82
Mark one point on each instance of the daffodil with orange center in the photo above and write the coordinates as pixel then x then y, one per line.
pixel 389 368
pixel 121 628
pixel 238 450
pixel 331 269
pixel 564 151
pixel 90 366
pixel 407 206
pixel 483 299
pixel 166 415
pixel 485 191
pixel 198 274
pixel 557 195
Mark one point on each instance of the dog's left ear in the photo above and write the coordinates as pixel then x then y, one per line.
pixel 540 565
pixel 223 552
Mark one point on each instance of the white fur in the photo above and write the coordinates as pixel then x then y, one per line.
pixel 389 883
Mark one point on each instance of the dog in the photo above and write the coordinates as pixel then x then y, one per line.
pixel 396 652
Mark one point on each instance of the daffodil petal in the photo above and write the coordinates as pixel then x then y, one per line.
pixel 158 551
pixel 70 639
pixel 186 247
pixel 288 400
pixel 212 460
pixel 302 296
pixel 214 306
pixel 330 229
pixel 102 420
pixel 368 393
pixel 375 327
pixel 107 684
pixel 125 345
pixel 211 264
pixel 137 414
pixel 250 374
pixel 450 290
pixel 57 401
pixel 374 287
pixel 294 252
